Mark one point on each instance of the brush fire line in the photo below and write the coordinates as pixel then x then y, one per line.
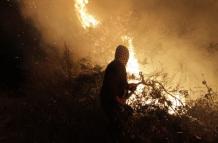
pixel 89 21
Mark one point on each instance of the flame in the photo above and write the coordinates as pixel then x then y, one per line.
pixel 86 19
pixel 175 102
pixel 133 68
pixel 132 65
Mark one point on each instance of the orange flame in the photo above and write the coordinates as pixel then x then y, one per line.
pixel 132 65
pixel 134 68
pixel 86 19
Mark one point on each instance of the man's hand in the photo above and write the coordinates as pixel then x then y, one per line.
pixel 120 100
pixel 132 86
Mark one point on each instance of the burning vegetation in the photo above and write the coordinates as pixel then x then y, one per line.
pixel 59 99
pixel 149 86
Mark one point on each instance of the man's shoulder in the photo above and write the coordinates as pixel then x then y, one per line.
pixel 116 64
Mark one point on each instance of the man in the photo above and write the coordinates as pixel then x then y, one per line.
pixel 115 87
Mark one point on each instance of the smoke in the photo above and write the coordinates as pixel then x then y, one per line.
pixel 177 36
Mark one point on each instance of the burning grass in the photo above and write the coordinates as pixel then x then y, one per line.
pixel 69 111
pixel 160 114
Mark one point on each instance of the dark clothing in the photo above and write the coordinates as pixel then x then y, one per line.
pixel 114 85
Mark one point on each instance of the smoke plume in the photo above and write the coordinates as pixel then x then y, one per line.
pixel 179 37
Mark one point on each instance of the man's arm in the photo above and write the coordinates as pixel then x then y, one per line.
pixel 125 86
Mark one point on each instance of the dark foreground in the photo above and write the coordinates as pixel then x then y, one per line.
pixel 70 113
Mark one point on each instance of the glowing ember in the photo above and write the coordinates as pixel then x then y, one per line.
pixel 86 19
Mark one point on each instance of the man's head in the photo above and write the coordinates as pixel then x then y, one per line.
pixel 122 54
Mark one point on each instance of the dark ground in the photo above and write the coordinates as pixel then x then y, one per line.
pixel 43 118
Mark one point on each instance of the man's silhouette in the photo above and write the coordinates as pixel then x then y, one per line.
pixel 115 87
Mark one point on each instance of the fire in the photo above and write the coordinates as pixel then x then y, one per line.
pixel 132 65
pixel 86 19
pixel 176 103
pixel 133 68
